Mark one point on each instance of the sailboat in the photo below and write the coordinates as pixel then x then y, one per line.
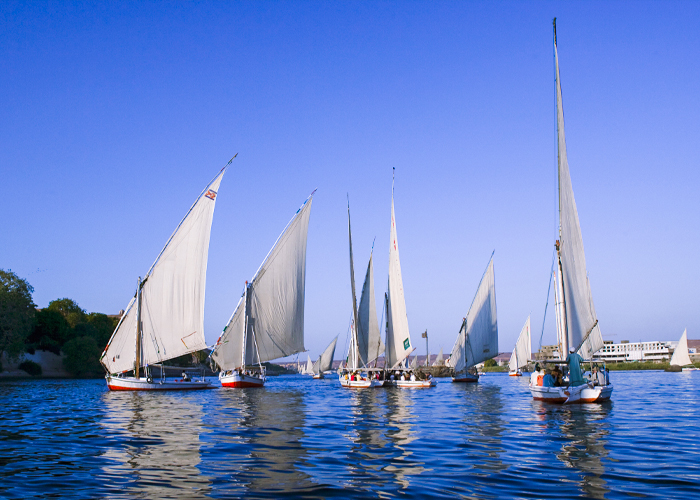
pixel 364 331
pixel 398 339
pixel 165 318
pixel 268 322
pixel 522 352
pixel 681 357
pixel 477 340
pixel 309 368
pixel 577 324
pixel 440 359
pixel 325 360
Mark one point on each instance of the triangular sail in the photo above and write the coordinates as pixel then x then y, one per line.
pixel 414 362
pixel 368 335
pixel 680 355
pixel 523 350
pixel 581 321
pixel 478 337
pixel 309 365
pixel 355 359
pixel 275 308
pixel 325 361
pixel 398 339
pixel 172 294
pixel 440 359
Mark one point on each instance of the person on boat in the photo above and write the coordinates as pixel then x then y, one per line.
pixel 185 377
pixel 574 361
pixel 598 376
pixel 413 377
pixel 557 376
pixel 607 375
pixel 534 375
pixel 548 380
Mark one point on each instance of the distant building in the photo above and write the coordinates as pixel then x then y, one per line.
pixel 656 351
pixel 547 352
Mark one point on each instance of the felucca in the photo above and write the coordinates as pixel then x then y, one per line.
pixel 268 322
pixel 577 324
pixel 522 352
pixel 365 342
pixel 477 340
pixel 681 356
pixel 165 318
pixel 324 361
pixel 398 339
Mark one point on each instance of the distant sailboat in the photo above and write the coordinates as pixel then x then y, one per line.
pixel 309 368
pixel 681 356
pixel 577 323
pixel 440 359
pixel 522 352
pixel 398 345
pixel 357 374
pixel 268 322
pixel 477 340
pixel 324 361
pixel 165 318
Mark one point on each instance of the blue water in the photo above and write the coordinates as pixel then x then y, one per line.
pixel 303 438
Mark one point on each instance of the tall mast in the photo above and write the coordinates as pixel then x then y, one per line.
pixel 560 273
pixel 245 324
pixel 139 332
pixel 354 300
pixel 386 331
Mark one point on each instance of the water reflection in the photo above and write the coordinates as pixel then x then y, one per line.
pixel 585 430
pixel 258 448
pixel 483 426
pixel 156 444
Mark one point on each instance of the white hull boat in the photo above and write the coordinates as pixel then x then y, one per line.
pixel 572 395
pixel 416 384
pixel 146 384
pixel 361 384
pixel 466 378
pixel 241 381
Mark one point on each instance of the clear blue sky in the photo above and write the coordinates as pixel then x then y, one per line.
pixel 114 116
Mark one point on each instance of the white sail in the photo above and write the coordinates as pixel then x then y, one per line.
pixel 478 337
pixel 414 362
pixel 309 365
pixel 523 350
pixel 172 294
pixel 368 337
pixel 325 361
pixel 440 359
pixel 398 339
pixel 680 354
pixel 275 303
pixel 581 321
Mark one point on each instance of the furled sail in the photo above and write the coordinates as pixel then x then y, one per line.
pixel 368 337
pixel 172 295
pixel 680 355
pixel 275 302
pixel 478 337
pixel 523 350
pixel 325 361
pixel 398 339
pixel 581 321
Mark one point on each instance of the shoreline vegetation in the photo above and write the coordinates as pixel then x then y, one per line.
pixel 64 341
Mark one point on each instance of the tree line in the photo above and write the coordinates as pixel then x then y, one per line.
pixel 62 327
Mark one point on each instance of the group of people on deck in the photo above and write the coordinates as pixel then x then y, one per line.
pixel 555 377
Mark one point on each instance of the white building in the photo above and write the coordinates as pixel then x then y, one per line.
pixel 637 351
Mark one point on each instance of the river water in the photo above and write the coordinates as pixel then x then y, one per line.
pixel 300 437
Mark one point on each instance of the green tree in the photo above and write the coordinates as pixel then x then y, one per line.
pixel 490 363
pixel 70 310
pixel 103 327
pixel 17 313
pixel 82 357
pixel 51 331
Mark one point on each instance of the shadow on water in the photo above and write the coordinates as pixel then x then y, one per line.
pixel 157 444
pixel 256 444
pixel 583 431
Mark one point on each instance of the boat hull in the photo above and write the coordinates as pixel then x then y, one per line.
pixel 238 381
pixel 465 378
pixel 416 384
pixel 572 395
pixel 142 384
pixel 361 384
pixel 515 374
pixel 318 376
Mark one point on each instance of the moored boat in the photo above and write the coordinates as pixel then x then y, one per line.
pixel 268 322
pixel 165 318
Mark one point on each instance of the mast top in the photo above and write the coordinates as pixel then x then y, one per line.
pixel 554 24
